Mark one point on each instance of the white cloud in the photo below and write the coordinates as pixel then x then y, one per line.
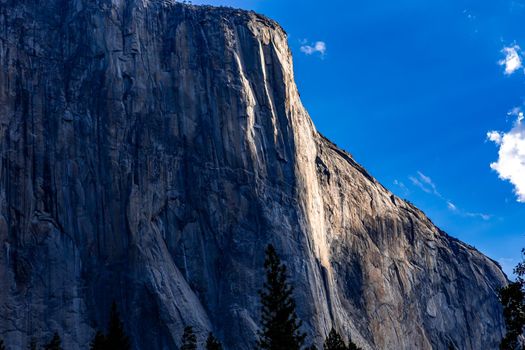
pixel 452 206
pixel 511 155
pixel 495 136
pixel 312 48
pixel 512 61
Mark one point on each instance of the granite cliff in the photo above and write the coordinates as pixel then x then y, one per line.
pixel 151 150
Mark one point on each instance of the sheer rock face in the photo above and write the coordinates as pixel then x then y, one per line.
pixel 149 153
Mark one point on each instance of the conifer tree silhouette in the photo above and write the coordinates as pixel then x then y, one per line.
pixel 189 340
pixel 116 338
pixel 512 298
pixel 352 346
pixel 280 325
pixel 334 341
pixel 98 342
pixel 212 343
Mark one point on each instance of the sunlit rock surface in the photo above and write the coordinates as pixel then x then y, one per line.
pixel 149 153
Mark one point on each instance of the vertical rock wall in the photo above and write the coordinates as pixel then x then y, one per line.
pixel 151 150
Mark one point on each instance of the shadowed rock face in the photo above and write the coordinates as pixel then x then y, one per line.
pixel 149 153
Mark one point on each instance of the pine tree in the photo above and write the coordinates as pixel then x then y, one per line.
pixel 189 340
pixel 334 341
pixel 98 342
pixel 212 343
pixel 32 344
pixel 116 338
pixel 55 343
pixel 280 325
pixel 2 345
pixel 513 299
pixel 352 346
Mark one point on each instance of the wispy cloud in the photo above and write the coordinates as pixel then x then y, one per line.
pixel 428 181
pixel 452 207
pixel 511 154
pixel 512 61
pixel 426 184
pixel 418 183
pixel 318 47
pixel 402 186
pixel 485 217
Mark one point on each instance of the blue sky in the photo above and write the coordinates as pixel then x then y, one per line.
pixel 411 89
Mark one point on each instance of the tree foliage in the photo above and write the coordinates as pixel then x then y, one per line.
pixel 512 298
pixel 352 345
pixel 116 338
pixel 280 324
pixel 212 343
pixel 334 341
pixel 98 342
pixel 189 340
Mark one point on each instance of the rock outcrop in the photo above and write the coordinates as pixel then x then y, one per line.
pixel 151 150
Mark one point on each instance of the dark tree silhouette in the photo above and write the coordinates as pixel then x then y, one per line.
pixel 55 343
pixel 189 340
pixel 512 298
pixel 280 324
pixel 352 345
pixel 116 338
pixel 2 345
pixel 98 342
pixel 212 343
pixel 334 341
